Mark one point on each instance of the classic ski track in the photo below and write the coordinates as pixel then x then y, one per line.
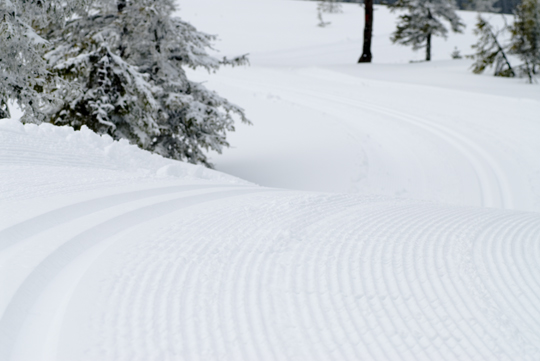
pixel 35 283
pixel 56 217
pixel 478 158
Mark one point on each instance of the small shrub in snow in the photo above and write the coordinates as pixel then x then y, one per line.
pixel 456 54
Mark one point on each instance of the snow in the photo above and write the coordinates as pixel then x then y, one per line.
pixel 432 131
pixel 396 216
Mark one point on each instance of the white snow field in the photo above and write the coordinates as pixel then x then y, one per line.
pixel 390 211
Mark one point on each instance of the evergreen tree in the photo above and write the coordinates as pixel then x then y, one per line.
pixel 124 64
pixel 22 68
pixel 490 52
pixel 423 20
pixel 525 42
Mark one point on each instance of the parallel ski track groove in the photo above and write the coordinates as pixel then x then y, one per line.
pixel 531 257
pixel 507 252
pixel 40 223
pixel 407 229
pixel 493 254
pixel 22 301
pixel 335 275
pixel 373 218
pixel 464 299
pixel 503 279
pixel 366 252
pixel 466 303
pixel 472 151
pixel 529 283
pixel 423 226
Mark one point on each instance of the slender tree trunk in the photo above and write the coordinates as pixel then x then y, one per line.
pixel 501 50
pixel 428 47
pixel 120 5
pixel 368 32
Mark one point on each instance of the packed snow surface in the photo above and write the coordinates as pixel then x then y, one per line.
pixel 396 216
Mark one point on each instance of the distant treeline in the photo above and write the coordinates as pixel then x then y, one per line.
pixel 506 6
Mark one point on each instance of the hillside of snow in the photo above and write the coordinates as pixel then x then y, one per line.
pixel 432 131
pixel 384 211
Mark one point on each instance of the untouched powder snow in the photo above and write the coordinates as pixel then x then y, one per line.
pixel 396 217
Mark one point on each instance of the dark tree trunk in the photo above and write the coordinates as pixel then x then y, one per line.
pixel 428 40
pixel 120 5
pixel 368 32
pixel 428 47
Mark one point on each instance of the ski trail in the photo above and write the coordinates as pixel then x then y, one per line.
pixel 494 195
pixel 28 293
pixel 493 183
pixel 18 232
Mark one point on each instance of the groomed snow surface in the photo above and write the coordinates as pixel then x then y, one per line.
pixel 389 212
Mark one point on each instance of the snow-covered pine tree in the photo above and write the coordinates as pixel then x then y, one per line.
pixel 22 68
pixel 525 42
pixel 125 61
pixel 490 52
pixel 423 20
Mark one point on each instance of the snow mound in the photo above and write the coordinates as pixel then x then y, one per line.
pixel 50 145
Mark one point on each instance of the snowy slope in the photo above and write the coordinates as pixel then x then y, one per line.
pixel 432 131
pixel 104 261
pixel 425 245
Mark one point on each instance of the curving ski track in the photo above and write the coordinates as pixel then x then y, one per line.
pixel 493 185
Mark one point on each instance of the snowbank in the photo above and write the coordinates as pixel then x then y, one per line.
pixel 63 146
